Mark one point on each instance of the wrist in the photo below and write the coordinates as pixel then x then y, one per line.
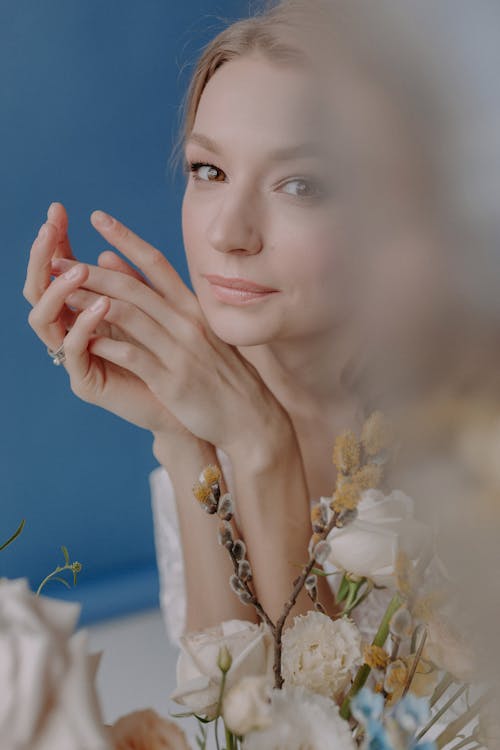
pixel 171 448
pixel 264 447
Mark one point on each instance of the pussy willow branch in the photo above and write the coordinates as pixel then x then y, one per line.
pixel 254 601
pixel 299 584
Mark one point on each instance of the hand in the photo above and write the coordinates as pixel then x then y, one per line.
pixel 205 383
pixel 92 379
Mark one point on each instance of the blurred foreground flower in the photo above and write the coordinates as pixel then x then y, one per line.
pixel 48 699
pixel 198 673
pixel 301 719
pixel 146 730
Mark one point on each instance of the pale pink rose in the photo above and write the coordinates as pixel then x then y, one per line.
pixel 48 699
pixel 146 730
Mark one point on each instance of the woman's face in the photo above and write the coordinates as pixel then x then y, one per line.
pixel 255 212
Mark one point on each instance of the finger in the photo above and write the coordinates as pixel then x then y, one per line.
pixel 112 261
pixel 142 363
pixel 57 216
pixel 38 271
pixel 76 343
pixel 128 319
pixel 161 275
pixel 124 288
pixel 106 259
pixel 45 316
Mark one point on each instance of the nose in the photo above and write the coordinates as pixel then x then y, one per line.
pixel 235 226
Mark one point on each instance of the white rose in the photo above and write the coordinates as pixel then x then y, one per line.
pixel 301 719
pixel 247 705
pixel 369 545
pixel 199 677
pixel 47 695
pixel 319 653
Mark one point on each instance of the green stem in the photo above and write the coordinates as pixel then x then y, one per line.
pixel 229 739
pixel 363 672
pixel 52 575
pixel 218 709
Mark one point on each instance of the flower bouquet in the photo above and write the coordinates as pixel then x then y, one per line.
pixel 321 682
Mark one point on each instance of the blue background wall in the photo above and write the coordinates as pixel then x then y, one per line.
pixel 90 93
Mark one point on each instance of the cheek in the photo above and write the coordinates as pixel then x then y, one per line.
pixel 319 259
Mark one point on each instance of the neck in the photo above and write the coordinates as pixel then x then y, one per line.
pixel 308 376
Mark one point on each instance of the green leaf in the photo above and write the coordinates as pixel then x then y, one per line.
pixel 61 580
pixel 14 535
pixel 343 589
pixel 320 572
pixel 65 553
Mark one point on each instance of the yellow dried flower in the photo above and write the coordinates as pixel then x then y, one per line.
pixel 317 519
pixel 424 681
pixel 368 477
pixel 313 541
pixel 345 498
pixel 377 433
pixel 396 676
pixel 202 492
pixel 346 453
pixel 211 474
pixel 376 657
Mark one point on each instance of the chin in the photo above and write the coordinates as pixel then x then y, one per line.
pixel 234 330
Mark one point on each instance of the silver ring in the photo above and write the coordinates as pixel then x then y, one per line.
pixel 58 355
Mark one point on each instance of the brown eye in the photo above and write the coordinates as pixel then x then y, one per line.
pixel 210 172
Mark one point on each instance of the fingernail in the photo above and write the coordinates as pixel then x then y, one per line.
pixel 98 304
pixel 104 220
pixel 42 232
pixel 49 211
pixel 73 273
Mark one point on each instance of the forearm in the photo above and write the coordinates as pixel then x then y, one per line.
pixel 207 565
pixel 274 511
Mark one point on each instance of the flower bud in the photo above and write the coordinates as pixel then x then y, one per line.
pixel 225 509
pixel 245 597
pixel 225 534
pixel 244 570
pixel 401 624
pixel 225 659
pixel 236 584
pixel 239 550
pixel 322 551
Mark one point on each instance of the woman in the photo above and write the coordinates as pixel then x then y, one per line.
pixel 300 172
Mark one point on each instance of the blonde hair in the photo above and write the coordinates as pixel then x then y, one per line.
pixel 370 40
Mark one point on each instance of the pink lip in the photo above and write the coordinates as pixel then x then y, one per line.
pixel 241 284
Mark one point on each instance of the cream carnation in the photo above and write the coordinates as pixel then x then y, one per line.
pixel 319 653
pixel 301 721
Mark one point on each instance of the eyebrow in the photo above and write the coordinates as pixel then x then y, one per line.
pixel 279 154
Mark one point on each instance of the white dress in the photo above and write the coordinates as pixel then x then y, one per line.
pixel 171 562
